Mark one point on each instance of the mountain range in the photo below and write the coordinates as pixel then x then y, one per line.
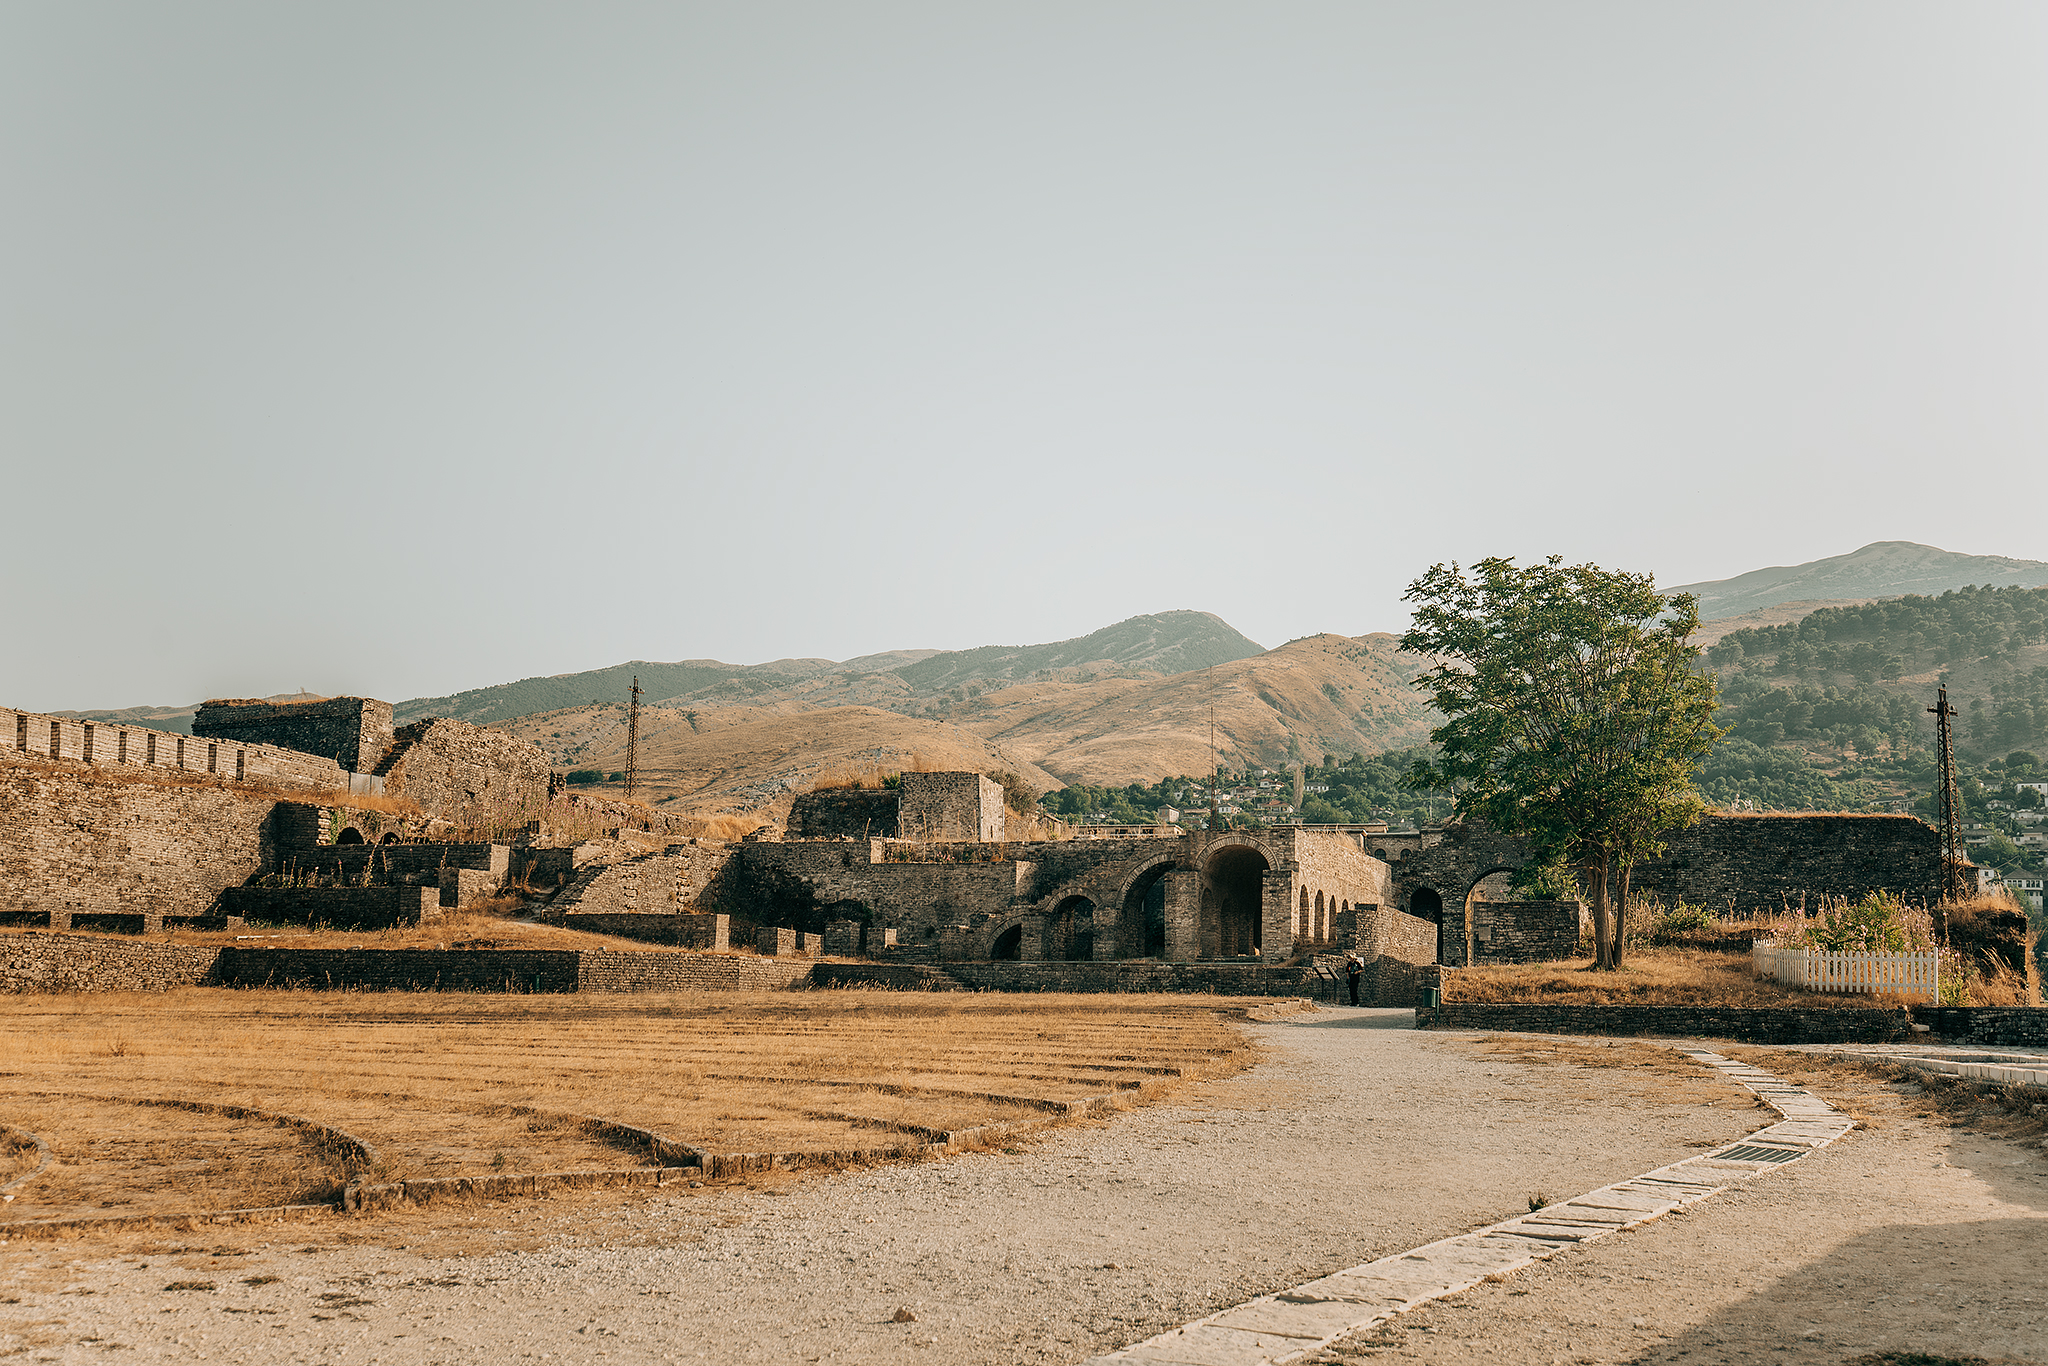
pixel 1136 701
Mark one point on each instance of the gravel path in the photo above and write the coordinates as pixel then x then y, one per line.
pixel 1358 1137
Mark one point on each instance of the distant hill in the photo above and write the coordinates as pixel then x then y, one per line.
pixel 1166 642
pixel 1882 569
pixel 177 720
pixel 753 759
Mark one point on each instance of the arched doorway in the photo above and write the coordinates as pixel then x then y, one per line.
pixel 1009 945
pixel 1234 875
pixel 1070 930
pixel 351 835
pixel 1141 931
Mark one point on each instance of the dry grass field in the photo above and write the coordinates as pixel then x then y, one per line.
pixel 453 1085
pixel 1649 976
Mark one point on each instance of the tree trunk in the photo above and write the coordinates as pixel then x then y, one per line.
pixel 1621 916
pixel 1595 874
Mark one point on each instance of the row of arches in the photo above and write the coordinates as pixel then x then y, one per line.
pixel 1227 917
pixel 1315 919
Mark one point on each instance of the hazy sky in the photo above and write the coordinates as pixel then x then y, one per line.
pixel 398 349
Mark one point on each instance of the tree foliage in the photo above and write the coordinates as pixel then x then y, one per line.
pixel 1573 715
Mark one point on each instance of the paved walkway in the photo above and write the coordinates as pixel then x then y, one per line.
pixel 1297 1322
pixel 1358 1137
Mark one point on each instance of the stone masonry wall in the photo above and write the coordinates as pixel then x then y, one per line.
pixel 684 874
pixel 72 842
pixel 1384 932
pixel 1995 1026
pixel 1743 864
pixel 66 963
pixel 949 806
pixel 339 908
pixel 845 812
pixel 1767 1025
pixel 467 774
pixel 355 732
pixel 1512 932
pixel 39 739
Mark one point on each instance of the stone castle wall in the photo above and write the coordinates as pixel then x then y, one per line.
pixel 35 738
pixel 949 806
pixel 72 841
pixel 354 732
pixel 1726 863
pixel 843 813
pixel 467 774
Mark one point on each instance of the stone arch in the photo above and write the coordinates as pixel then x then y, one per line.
pixel 1141 921
pixel 1008 946
pixel 1070 930
pixel 1235 873
pixel 350 835
pixel 390 837
pixel 1304 917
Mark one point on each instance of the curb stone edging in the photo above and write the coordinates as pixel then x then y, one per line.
pixel 1291 1324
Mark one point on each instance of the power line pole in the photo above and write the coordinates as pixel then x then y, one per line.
pixel 1953 856
pixel 633 739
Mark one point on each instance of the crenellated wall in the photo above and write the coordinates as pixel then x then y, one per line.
pixel 36 738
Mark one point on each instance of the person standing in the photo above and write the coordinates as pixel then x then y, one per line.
pixel 1353 970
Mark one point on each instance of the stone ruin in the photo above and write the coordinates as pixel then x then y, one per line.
pixel 261 815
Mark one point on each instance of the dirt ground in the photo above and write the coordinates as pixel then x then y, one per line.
pixel 1357 1137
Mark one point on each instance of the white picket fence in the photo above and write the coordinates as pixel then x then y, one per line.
pixel 1890 974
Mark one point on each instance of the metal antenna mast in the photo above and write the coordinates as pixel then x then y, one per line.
pixel 1952 852
pixel 633 739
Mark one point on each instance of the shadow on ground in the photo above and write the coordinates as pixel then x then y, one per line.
pixel 1929 1293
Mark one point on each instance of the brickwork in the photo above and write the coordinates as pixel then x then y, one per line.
pixel 466 774
pixel 843 813
pixel 1383 932
pixel 1767 1025
pixel 949 806
pixel 37 738
pixel 354 732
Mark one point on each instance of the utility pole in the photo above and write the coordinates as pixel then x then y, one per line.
pixel 1952 852
pixel 633 739
pixel 1215 770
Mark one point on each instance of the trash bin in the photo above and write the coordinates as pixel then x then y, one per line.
pixel 1432 997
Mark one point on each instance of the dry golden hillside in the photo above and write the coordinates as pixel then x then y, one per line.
pixel 751 759
pixel 1325 694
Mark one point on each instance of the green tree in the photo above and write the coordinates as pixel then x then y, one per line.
pixel 1573 714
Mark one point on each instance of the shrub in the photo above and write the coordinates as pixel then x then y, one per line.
pixel 586 775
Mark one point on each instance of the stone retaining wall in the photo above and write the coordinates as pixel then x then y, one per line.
pixel 341 908
pixel 1998 1026
pixel 35 963
pixel 1764 1025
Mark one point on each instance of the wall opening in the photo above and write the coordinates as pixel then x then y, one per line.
pixel 152 749
pixel 241 764
pixel 213 758
pixel 181 751
pixel 349 835
pixel 1070 931
pixel 1235 872
pixel 1141 933
pixel 56 739
pixel 85 746
pixel 121 747
pixel 1009 945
